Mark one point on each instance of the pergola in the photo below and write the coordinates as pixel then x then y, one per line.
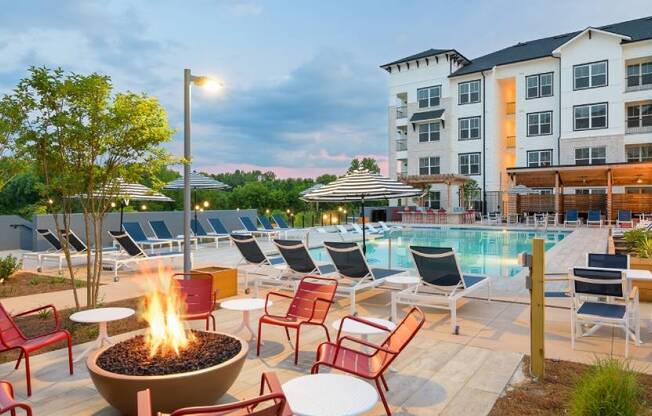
pixel 424 181
pixel 605 175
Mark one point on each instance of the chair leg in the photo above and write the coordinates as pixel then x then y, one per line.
pixel 296 346
pixel 394 308
pixel 453 308
pixel 260 331
pixel 70 362
pixel 20 358
pixel 207 323
pixel 382 397
pixel 328 336
pixel 28 375
pixel 352 300
pixel 213 320
pixel 382 378
pixel 287 333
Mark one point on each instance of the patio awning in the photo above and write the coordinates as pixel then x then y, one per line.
pixel 622 174
pixel 427 116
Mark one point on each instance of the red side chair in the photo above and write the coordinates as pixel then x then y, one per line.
pixel 370 365
pixel 11 338
pixel 272 403
pixel 310 305
pixel 199 297
pixel 7 402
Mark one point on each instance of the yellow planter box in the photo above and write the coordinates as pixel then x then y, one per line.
pixel 225 279
pixel 644 286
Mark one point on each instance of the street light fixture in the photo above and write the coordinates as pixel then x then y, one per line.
pixel 211 84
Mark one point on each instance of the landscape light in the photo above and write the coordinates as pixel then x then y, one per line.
pixel 206 204
pixel 50 201
pixel 112 204
pixel 143 207
pixel 196 207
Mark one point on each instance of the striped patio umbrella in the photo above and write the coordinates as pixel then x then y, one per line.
pixel 361 185
pixel 197 181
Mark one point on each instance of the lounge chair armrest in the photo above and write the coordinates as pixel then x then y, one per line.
pixel 363 321
pixel 55 314
pixel 633 295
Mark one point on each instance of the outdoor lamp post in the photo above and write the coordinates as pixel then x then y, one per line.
pixel 210 84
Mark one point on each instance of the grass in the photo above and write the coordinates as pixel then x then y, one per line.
pixel 554 394
pixel 28 283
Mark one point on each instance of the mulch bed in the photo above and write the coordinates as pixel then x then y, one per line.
pixel 27 283
pixel 551 397
pixel 132 356
pixel 36 324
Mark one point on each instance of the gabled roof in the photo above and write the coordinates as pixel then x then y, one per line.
pixel 589 30
pixel 426 54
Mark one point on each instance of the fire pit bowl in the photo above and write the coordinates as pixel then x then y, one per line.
pixel 183 381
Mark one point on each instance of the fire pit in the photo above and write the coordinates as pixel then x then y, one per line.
pixel 180 367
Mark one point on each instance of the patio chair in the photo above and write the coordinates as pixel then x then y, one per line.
pixel 355 274
pixel 162 232
pixel 270 402
pixel 200 233
pixel 571 217
pixel 298 259
pixel 198 295
pixel 138 235
pixel 442 282
pixel 624 219
pixel 387 228
pixel 133 253
pixel 588 286
pixel 493 218
pixel 251 228
pixel 281 223
pixel 343 230
pixel 309 306
pixel 254 258
pixel 266 223
pixel 8 402
pixel 607 261
pixel 594 218
pixel 12 338
pixel 373 364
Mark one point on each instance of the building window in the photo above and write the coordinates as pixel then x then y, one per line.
pixel 590 75
pixel 469 128
pixel 639 75
pixel 469 92
pixel 543 191
pixel 434 200
pixel 590 191
pixel 536 158
pixel 539 85
pixel 639 153
pixel 539 124
pixel 429 96
pixel 590 116
pixel 591 155
pixel 429 165
pixel 638 190
pixel 469 164
pixel 639 116
pixel 429 132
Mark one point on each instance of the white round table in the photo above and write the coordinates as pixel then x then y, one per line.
pixel 246 305
pixel 403 280
pixel 355 327
pixel 329 395
pixel 100 316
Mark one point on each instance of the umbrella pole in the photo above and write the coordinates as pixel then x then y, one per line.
pixel 194 205
pixel 364 239
pixel 122 208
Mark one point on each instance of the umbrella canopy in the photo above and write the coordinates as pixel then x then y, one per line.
pixel 361 185
pixel 311 189
pixel 197 181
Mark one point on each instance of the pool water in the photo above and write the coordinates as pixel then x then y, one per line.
pixel 483 251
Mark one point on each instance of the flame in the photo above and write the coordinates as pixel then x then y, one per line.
pixel 162 309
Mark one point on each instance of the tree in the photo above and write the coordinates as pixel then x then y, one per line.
pixel 81 139
pixel 470 192
pixel 368 163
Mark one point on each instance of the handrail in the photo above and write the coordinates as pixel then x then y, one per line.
pixel 21 225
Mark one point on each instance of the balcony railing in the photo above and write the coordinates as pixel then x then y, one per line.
pixel 639 82
pixel 510 142
pixel 510 108
pixel 401 111
pixel 401 145
pixel 638 128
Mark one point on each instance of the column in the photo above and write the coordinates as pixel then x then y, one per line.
pixel 609 196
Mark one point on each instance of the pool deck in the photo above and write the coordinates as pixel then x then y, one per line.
pixel 439 373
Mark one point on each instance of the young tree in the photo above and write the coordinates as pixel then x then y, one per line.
pixel 368 163
pixel 81 139
pixel 470 192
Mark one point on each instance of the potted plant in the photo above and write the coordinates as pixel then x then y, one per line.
pixel 639 248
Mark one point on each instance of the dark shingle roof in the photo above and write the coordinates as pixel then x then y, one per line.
pixel 420 55
pixel 427 115
pixel 638 29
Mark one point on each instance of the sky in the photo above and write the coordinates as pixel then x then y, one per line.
pixel 303 92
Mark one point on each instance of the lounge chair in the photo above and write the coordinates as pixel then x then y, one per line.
pixel 373 364
pixel 162 232
pixel 442 282
pixel 8 401
pixel 624 219
pixel 133 253
pixel 256 262
pixel 298 259
pixel 369 227
pixel 343 230
pixel 594 218
pixel 571 217
pixel 270 402
pixel 309 306
pixel 620 309
pixel 266 223
pixel 54 243
pixel 200 233
pixel 281 223
pixel 493 218
pixel 138 235
pixel 386 228
pixel 354 272
pixel 250 227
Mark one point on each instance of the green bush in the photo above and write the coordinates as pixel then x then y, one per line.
pixel 609 387
pixel 639 242
pixel 8 266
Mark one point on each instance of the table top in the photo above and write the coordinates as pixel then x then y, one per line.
pixel 329 395
pixel 355 327
pixel 638 274
pixel 402 280
pixel 245 304
pixel 98 315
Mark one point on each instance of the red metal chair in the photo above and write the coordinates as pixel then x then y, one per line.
pixel 11 338
pixel 199 297
pixel 7 402
pixel 310 305
pixel 267 404
pixel 370 365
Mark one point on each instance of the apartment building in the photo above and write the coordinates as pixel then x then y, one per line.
pixel 578 98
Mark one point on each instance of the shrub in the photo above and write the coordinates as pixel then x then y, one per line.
pixel 8 266
pixel 609 387
pixel 639 242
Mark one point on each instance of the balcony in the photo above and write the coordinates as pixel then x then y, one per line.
pixel 401 145
pixel 638 82
pixel 637 125
pixel 401 111
pixel 510 108
pixel 510 142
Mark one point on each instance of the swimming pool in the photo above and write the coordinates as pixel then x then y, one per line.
pixel 487 251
